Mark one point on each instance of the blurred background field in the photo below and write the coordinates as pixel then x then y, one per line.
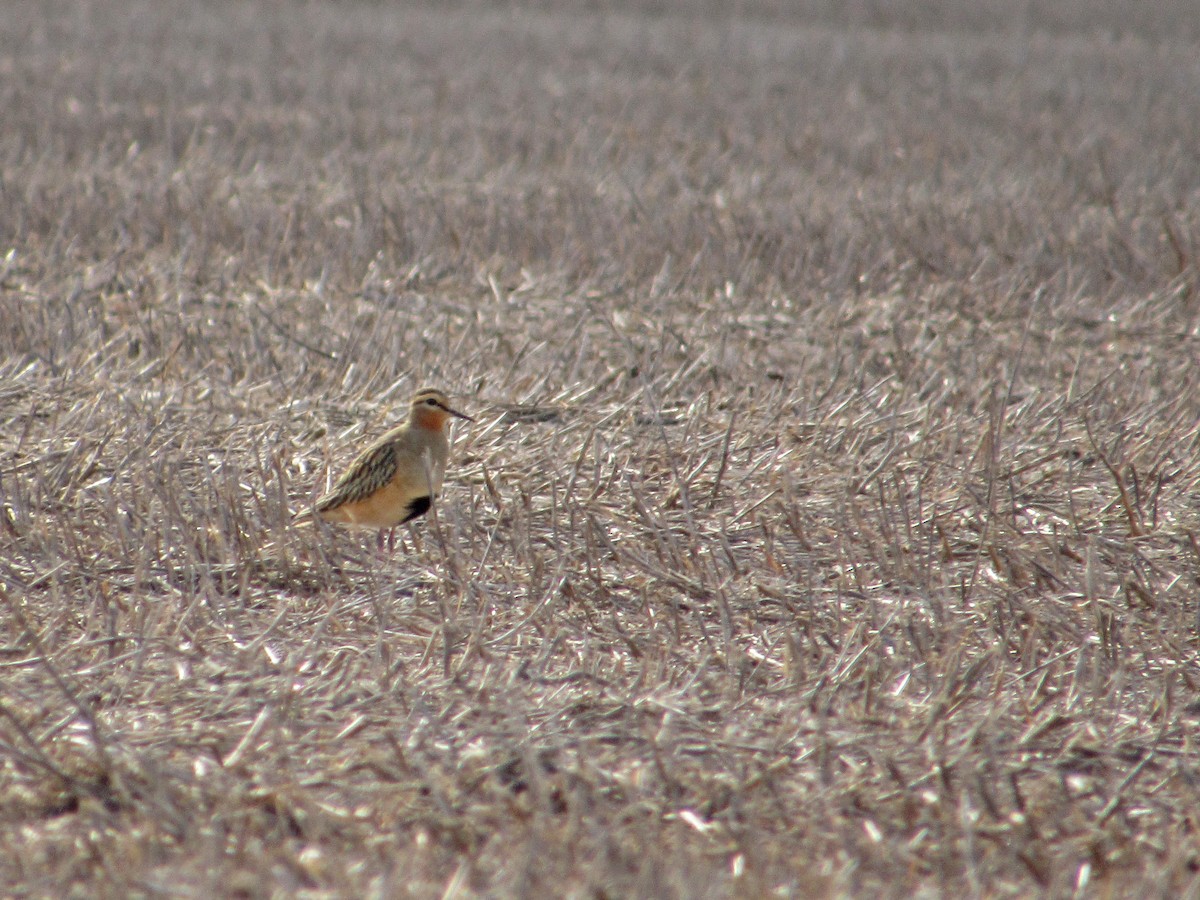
pixel 829 526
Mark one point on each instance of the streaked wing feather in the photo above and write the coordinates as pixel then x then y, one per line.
pixel 367 474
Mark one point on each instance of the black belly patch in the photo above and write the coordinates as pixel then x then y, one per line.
pixel 417 507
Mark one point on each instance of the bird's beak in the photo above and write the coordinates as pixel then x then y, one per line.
pixel 455 412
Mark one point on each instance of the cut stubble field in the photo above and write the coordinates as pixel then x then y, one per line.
pixel 828 525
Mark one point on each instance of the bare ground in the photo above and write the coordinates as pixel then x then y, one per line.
pixel 830 523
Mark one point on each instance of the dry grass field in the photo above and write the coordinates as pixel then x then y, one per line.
pixel 831 521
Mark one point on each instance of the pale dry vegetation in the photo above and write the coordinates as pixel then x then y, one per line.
pixel 829 526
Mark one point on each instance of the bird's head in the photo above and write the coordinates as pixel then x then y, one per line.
pixel 431 409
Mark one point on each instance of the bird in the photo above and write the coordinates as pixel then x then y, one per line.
pixel 397 478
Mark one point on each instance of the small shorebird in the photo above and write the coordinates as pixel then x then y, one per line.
pixel 397 478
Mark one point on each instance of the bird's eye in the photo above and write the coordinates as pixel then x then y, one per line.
pixel 431 402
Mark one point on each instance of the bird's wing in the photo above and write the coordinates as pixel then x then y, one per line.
pixel 366 475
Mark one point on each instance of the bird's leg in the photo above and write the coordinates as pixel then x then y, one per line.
pixel 379 540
